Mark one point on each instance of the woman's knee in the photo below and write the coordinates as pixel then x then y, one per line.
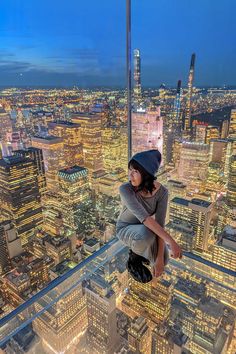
pixel 139 245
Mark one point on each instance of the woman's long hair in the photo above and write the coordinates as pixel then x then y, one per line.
pixel 147 183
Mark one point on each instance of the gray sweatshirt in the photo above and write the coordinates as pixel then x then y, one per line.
pixel 136 208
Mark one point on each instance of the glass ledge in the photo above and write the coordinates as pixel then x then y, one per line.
pixel 106 268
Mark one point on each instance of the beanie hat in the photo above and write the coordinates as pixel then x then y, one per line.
pixel 150 160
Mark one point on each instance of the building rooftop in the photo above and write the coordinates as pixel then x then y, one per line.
pixel 12 160
pixel 91 242
pixel 195 201
pixel 64 123
pixel 211 264
pixel 71 170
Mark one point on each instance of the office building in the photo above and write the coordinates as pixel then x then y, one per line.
pixel 20 197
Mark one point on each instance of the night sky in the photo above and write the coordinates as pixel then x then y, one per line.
pixel 77 42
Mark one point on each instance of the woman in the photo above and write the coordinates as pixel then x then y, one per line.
pixel 141 222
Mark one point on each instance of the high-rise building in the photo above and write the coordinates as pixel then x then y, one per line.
pixel 70 133
pixel 74 191
pixel 193 164
pixel 224 251
pixel 143 305
pixel 102 333
pixel 37 156
pixel 58 248
pixel 188 109
pixel 177 110
pixel 197 213
pixel 137 76
pixel 168 339
pixel 147 130
pixel 53 157
pixel 231 188
pixel 111 148
pixel 91 138
pixel 19 194
pixel 61 325
pixel 212 132
pixel 232 124
pixel 225 129
pixel 139 338
pixel 173 127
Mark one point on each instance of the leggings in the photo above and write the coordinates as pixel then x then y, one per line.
pixel 142 241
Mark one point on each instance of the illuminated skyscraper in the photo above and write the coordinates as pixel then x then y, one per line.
pixel 137 76
pixel 167 339
pixel 102 334
pixel 188 109
pixel 173 128
pixel 195 212
pixel 225 129
pixel 147 130
pixel 91 139
pixel 74 191
pixel 231 188
pixel 37 156
pixel 53 157
pixel 193 164
pixel 139 336
pixel 177 107
pixel 62 324
pixel 232 124
pixel 19 194
pixel 112 148
pixel 212 132
pixel 71 135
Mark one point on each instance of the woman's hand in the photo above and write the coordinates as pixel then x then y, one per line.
pixel 158 267
pixel 175 250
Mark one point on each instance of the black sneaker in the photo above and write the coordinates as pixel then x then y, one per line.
pixel 138 271
pixel 136 257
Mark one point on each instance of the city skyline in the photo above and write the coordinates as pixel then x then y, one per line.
pixel 76 46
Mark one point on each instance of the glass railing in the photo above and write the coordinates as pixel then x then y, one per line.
pixel 98 307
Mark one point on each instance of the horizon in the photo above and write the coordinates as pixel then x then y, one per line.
pixel 76 47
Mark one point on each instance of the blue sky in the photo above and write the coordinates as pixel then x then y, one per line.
pixel 73 42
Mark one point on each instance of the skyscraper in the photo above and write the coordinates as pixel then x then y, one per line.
pixel 147 130
pixel 53 156
pixel 19 195
pixel 188 109
pixel 232 124
pixel 37 156
pixel 195 212
pixel 139 336
pixel 102 334
pixel 137 76
pixel 177 106
pixel 74 192
pixel 71 134
pixel 231 188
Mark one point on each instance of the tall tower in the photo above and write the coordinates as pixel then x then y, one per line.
pixel 188 109
pixel 232 124
pixel 137 76
pixel 19 195
pixel 177 105
pixel 231 188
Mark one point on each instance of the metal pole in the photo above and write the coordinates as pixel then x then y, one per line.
pixel 128 74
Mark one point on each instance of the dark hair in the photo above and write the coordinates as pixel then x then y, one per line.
pixel 147 183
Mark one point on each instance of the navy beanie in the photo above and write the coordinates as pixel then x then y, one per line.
pixel 150 160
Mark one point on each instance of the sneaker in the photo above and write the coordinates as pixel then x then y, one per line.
pixel 138 271
pixel 138 258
